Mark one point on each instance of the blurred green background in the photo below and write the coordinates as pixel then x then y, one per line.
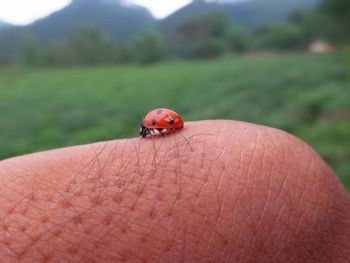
pixel 291 72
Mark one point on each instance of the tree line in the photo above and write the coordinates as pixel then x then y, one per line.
pixel 203 36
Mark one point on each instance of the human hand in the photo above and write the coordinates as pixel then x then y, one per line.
pixel 217 191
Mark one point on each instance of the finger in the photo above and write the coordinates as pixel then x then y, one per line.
pixel 217 191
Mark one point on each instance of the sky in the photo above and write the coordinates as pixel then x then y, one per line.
pixel 31 10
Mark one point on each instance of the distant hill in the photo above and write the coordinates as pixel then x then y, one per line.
pixel 119 20
pixel 249 13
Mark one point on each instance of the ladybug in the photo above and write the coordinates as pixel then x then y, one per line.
pixel 161 119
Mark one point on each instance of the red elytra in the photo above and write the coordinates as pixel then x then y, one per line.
pixel 160 119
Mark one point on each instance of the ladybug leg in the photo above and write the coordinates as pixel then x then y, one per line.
pixel 160 131
pixel 143 131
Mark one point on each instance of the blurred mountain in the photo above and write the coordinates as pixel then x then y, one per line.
pixel 119 20
pixel 249 13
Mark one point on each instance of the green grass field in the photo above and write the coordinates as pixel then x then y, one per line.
pixel 307 95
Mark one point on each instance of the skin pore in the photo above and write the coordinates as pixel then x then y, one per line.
pixel 217 191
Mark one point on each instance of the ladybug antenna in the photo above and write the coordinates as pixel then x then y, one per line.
pixel 142 117
pixel 141 114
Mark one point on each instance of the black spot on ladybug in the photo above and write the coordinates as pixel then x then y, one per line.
pixel 159 112
pixel 154 121
pixel 171 120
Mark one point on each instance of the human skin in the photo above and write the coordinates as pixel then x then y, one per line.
pixel 216 191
